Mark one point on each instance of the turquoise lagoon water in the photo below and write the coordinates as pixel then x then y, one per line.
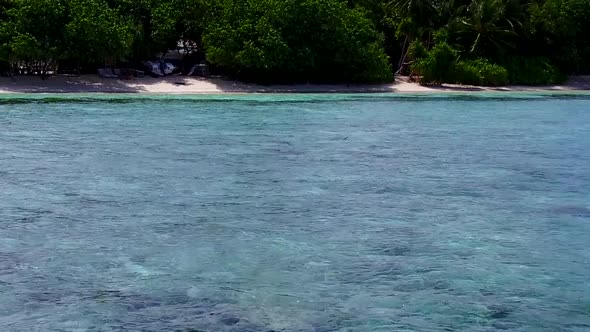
pixel 295 213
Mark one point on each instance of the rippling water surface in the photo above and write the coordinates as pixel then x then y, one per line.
pixel 295 213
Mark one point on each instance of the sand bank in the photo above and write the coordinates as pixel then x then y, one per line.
pixel 193 85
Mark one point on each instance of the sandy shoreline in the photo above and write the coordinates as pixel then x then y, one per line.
pixel 193 85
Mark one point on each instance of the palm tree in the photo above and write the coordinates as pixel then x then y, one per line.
pixel 487 27
pixel 414 20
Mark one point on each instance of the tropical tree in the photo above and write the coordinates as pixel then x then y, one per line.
pixel 413 20
pixel 97 33
pixel 486 29
pixel 307 40
pixel 562 27
pixel 178 20
pixel 36 29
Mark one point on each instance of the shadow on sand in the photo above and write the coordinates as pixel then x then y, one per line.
pixel 95 84
pixel 574 83
pixel 177 84
pixel 174 84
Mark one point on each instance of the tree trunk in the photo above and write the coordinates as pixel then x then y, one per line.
pixel 403 56
pixel 43 72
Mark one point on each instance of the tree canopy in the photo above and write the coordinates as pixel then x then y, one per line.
pixel 313 40
pixel 481 41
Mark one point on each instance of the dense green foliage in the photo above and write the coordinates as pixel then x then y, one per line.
pixel 438 66
pixel 482 42
pixel 532 70
pixel 96 32
pixel 314 40
pixel 564 26
pixel 481 72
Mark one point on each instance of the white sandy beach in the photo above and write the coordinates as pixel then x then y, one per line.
pixel 193 85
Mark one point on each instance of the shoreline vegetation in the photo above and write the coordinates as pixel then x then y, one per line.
pixel 177 84
pixel 492 43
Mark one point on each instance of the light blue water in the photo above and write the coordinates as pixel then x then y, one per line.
pixel 295 213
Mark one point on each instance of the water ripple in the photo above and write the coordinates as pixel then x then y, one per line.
pixel 295 213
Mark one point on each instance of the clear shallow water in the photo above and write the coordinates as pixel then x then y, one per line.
pixel 295 213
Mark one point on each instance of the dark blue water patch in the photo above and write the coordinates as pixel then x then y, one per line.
pixel 9 263
pixel 572 210
pixel 499 311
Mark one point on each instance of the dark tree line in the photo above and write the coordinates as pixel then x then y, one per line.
pixel 490 42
